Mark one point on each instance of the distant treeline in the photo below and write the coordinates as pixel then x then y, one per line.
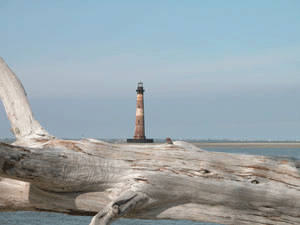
pixel 7 140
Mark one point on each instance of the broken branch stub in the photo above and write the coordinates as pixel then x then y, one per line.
pixel 17 106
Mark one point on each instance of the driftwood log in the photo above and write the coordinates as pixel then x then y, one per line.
pixel 167 181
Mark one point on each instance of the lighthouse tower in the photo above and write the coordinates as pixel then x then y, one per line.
pixel 139 133
pixel 140 120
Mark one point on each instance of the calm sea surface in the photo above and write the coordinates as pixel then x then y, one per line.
pixel 41 218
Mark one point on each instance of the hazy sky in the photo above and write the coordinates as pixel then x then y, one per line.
pixel 211 69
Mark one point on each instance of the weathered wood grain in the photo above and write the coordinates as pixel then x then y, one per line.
pixel 16 105
pixel 162 181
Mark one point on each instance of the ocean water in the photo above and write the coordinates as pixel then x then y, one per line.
pixel 277 152
pixel 43 218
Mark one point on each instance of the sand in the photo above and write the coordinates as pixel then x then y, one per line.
pixel 249 145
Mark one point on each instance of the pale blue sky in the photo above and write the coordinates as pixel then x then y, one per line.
pixel 211 69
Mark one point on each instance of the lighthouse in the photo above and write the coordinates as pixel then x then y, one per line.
pixel 139 131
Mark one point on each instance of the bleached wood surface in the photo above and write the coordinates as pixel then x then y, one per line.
pixel 165 181
pixel 16 105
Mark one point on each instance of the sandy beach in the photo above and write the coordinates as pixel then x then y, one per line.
pixel 234 144
pixel 249 145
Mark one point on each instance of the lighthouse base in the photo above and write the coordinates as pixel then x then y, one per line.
pixel 139 140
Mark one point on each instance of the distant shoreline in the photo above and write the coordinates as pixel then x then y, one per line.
pixel 247 144
pixel 213 144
